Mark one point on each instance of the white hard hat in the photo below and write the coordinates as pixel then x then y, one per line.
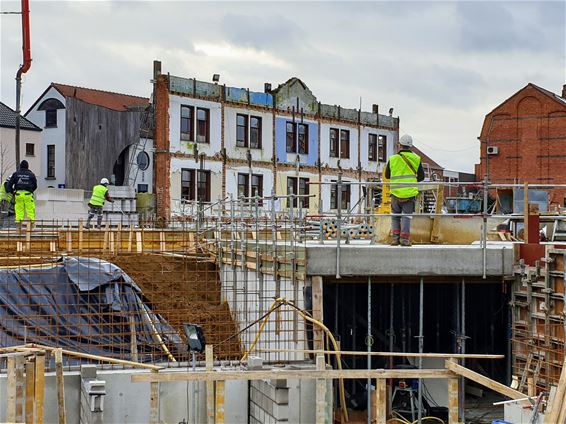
pixel 104 181
pixel 406 140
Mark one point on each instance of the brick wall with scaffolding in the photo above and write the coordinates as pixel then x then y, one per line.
pixel 59 287
pixel 538 322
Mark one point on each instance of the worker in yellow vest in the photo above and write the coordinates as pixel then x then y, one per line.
pixel 403 169
pixel 6 199
pixel 99 197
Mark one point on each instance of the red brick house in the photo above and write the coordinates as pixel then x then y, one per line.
pixel 524 140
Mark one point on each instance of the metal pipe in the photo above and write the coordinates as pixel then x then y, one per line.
pixel 369 345
pixel 338 222
pixel 484 229
pixel 421 337
pixel 462 403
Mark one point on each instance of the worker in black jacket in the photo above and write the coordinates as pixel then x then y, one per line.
pixel 22 184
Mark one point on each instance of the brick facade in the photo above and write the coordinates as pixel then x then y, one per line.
pixel 162 162
pixel 529 132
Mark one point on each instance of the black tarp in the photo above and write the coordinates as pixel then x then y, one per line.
pixel 82 304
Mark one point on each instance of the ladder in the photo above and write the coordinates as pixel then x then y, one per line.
pixel 531 360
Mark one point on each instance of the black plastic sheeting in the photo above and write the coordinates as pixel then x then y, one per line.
pixel 82 304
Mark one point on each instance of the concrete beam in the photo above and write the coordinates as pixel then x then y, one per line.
pixel 419 260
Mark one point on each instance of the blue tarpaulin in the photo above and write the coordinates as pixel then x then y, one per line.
pixel 84 304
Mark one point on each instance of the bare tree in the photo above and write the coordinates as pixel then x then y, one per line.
pixel 6 164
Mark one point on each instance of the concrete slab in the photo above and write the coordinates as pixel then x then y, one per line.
pixel 418 260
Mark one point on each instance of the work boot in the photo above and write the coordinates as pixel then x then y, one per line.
pixel 405 242
pixel 395 241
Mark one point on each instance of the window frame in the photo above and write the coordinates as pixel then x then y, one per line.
pixel 290 147
pixel 246 179
pixel 245 141
pixel 207 184
pixel 304 149
pixel 258 129
pixel 334 148
pixel 28 151
pixel 382 148
pixel 206 123
pixel 259 191
pixel 50 161
pixel 300 186
pixel 190 135
pixel 372 147
pixel 343 143
pixel 190 186
pixel 51 113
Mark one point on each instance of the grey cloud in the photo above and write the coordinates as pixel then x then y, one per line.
pixel 493 27
pixel 261 33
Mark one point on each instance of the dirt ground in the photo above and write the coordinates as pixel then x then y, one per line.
pixel 185 290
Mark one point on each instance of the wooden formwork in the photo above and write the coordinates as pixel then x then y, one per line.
pixel 538 321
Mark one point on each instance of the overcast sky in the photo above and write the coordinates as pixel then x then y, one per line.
pixel 441 65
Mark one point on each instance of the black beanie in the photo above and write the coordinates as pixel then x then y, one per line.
pixel 24 164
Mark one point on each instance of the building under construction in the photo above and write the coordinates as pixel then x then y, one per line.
pixel 303 317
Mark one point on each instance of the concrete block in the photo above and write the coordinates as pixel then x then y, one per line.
pixel 281 412
pixel 255 363
pixel 282 396
pixel 88 371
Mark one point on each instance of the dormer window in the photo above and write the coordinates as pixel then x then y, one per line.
pixel 50 106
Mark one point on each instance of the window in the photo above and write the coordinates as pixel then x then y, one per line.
pixel 50 161
pixel 203 186
pixel 303 138
pixel 291 147
pixel 255 132
pixel 242 185
pixel 334 143
pixel 382 152
pixel 242 130
pixel 142 160
pixel 345 144
pixel 187 113
pixel 203 124
pixel 372 147
pixel 345 196
pixel 257 185
pixel 187 184
pixel 51 118
pixel 30 149
pixel 195 190
pixel 142 188
pixel 298 186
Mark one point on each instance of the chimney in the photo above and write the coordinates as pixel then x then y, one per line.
pixel 375 109
pixel 156 68
pixel 564 91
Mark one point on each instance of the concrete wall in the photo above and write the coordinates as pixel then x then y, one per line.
pixel 54 204
pixel 126 402
pixel 136 175
pixel 250 295
pixel 55 135
pixel 265 154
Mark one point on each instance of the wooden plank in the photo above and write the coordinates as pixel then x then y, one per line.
pixel 139 242
pixel 133 339
pixel 317 312
pixel 81 234
pixel 30 391
pixel 60 386
pixel 453 403
pixel 39 393
pixel 69 240
pixel 154 401
pixel 320 399
pixel 392 354
pixel 290 374
pixel 220 399
pixel 484 381
pixel 11 390
pixel 553 410
pixel 210 395
pixel 381 400
pixel 130 239
pixel 20 384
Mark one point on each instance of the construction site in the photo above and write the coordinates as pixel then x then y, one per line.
pixel 296 316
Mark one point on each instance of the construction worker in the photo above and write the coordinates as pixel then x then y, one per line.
pixel 5 196
pixel 99 197
pixel 404 167
pixel 22 184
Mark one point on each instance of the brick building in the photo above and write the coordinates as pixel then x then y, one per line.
pixel 524 140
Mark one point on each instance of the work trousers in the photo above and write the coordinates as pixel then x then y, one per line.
pixel 401 224
pixel 25 205
pixel 94 210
